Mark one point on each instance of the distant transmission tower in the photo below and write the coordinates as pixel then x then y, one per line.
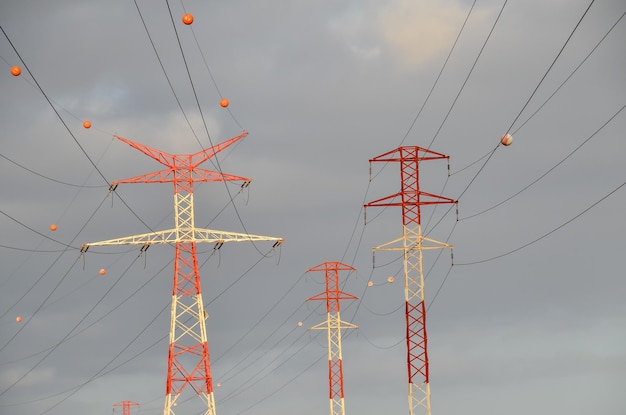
pixel 126 405
pixel 412 244
pixel 333 324
pixel 188 360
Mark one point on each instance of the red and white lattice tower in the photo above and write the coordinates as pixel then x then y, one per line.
pixel 126 405
pixel 412 244
pixel 333 324
pixel 188 360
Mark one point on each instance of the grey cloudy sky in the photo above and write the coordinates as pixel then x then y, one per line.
pixel 529 317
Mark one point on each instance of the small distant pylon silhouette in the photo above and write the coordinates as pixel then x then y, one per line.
pixel 333 324
pixel 126 405
pixel 188 359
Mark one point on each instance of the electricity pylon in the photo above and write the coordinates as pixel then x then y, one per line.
pixel 126 405
pixel 412 244
pixel 333 324
pixel 188 357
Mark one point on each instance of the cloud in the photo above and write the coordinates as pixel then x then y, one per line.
pixel 417 32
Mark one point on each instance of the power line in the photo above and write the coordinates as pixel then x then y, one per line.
pixel 547 233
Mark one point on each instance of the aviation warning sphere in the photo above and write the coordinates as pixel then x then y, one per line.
pixel 390 280
pixel 187 18
pixel 16 71
pixel 18 319
pixel 87 124
pixel 103 271
pixel 53 227
pixel 506 140
pixel 224 102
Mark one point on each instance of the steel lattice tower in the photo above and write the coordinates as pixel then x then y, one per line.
pixel 333 324
pixel 412 244
pixel 126 405
pixel 188 358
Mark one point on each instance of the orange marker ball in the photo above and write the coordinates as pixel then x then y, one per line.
pixel 87 124
pixel 18 319
pixel 506 140
pixel 224 102
pixel 16 71
pixel 390 279
pixel 370 283
pixel 53 227
pixel 187 18
pixel 103 271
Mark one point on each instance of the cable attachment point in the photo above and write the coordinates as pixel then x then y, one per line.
pixel 246 184
pixel 144 247
pixel 112 187
pixel 218 245
pixel 84 248
pixel 278 243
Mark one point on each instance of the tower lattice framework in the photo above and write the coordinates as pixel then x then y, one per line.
pixel 188 356
pixel 333 295
pixel 412 244
pixel 126 406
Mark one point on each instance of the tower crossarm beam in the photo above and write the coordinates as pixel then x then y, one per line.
pixel 184 235
pixel 194 159
pixel 390 200
pixel 169 176
pixel 332 324
pixel 394 245
pixel 409 153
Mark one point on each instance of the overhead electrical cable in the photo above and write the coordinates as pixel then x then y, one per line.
pixel 169 82
pixel 63 121
pixel 443 67
pixel 69 333
pixel 255 325
pixel 571 153
pixel 43 275
pixel 528 100
pixel 547 233
pixel 47 177
pixel 204 123
pixel 551 66
pixel 206 65
pixel 114 308
pixel 570 75
pixel 509 129
pixel 468 75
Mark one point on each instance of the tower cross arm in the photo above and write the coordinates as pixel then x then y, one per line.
pixel 160 156
pixel 424 244
pixel 170 159
pixel 409 152
pixel 183 235
pixel 168 176
pixel 417 198
pixel 324 325
pixel 204 155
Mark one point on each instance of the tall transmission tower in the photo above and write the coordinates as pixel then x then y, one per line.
pixel 412 244
pixel 333 324
pixel 188 357
pixel 126 405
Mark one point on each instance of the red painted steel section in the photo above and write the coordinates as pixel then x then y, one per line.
pixel 411 201
pixel 187 286
pixel 332 296
pixel 126 405
pixel 183 171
